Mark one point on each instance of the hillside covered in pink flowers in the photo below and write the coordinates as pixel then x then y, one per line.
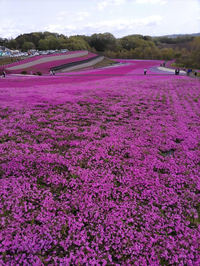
pixel 100 168
pixel 44 63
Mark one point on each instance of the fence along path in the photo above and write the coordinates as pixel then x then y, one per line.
pixel 78 65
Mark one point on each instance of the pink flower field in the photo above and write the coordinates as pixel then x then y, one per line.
pixel 100 167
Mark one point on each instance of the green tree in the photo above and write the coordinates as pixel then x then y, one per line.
pixel 43 44
pixel 167 53
pixel 53 43
pixel 133 41
pixel 103 41
pixel 62 42
pixel 27 46
pixel 77 43
pixel 36 37
pixel 12 44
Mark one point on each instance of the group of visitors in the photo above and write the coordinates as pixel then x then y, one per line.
pixel 52 72
pixel 163 64
pixel 188 71
pixel 3 73
pixel 177 72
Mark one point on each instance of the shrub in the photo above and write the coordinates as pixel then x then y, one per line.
pixel 24 72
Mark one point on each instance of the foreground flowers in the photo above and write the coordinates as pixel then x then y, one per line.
pixel 109 175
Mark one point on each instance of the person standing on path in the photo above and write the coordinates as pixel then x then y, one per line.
pixel 145 71
pixel 4 74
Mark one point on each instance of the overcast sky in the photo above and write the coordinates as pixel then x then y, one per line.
pixel 119 17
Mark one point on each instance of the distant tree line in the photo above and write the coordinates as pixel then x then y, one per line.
pixel 131 46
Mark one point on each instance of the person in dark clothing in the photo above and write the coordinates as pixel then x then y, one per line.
pixel 189 71
pixel 145 71
pixel 4 74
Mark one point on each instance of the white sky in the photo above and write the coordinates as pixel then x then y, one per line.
pixel 119 17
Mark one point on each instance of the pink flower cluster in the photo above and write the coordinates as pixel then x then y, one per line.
pixel 100 171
